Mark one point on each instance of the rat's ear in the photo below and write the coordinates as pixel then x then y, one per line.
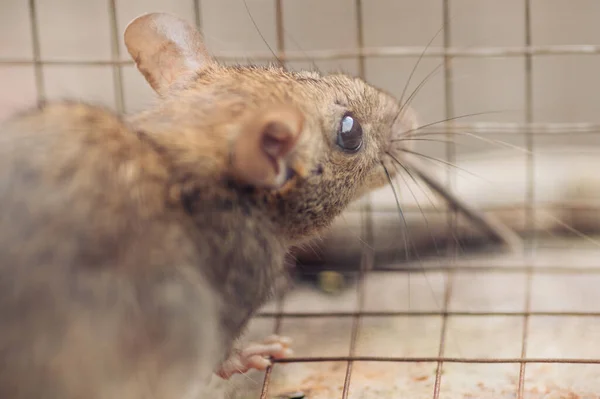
pixel 261 151
pixel 165 48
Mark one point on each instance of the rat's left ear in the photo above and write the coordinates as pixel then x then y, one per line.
pixel 261 152
pixel 165 48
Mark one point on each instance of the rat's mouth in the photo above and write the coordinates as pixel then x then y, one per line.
pixel 292 171
pixel 289 174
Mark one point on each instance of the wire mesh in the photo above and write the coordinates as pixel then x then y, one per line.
pixel 528 128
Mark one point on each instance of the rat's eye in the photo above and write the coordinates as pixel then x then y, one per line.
pixel 350 134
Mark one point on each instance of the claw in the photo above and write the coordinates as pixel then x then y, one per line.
pixel 255 356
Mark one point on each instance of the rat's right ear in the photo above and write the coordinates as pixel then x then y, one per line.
pixel 165 48
pixel 262 152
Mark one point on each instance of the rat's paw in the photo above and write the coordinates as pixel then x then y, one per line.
pixel 255 356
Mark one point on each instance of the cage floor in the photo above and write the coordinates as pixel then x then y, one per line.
pixel 460 328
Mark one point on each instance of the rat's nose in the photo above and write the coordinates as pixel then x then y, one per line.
pixel 404 126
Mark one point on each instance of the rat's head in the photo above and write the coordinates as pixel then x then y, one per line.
pixel 308 144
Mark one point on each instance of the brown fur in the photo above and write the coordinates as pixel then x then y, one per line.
pixel 131 260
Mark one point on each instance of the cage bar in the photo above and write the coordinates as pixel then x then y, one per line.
pixel 116 55
pixel 335 54
pixel 529 200
pixel 37 59
pixel 280 300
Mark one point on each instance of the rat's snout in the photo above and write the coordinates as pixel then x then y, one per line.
pixel 290 167
pixel 402 130
pixel 399 144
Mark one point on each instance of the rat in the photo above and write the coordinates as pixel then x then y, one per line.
pixel 136 249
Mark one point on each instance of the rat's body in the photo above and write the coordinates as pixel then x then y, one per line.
pixel 135 252
pixel 88 286
pixel 118 287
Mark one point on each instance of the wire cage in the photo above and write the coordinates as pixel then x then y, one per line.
pixel 533 60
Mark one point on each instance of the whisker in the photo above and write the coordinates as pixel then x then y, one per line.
pixel 469 134
pixel 433 205
pixel 419 87
pixel 417 90
pixel 425 80
pixel 312 60
pixel 261 35
pixel 419 206
pixel 387 173
pixel 572 229
pixel 407 240
pixel 405 235
pixel 435 299
pixel 312 247
pixel 355 234
pixel 256 383
pixel 416 65
pixel 588 151
pixel 442 141
pixel 551 231
pixel 420 139
pixel 455 237
pixel 440 161
pixel 408 132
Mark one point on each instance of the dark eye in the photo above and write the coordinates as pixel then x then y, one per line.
pixel 350 134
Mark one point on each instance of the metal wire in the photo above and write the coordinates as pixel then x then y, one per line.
pixel 530 129
pixel 367 261
pixel 280 300
pixel 301 315
pixel 116 54
pixel 439 359
pixel 452 216
pixel 370 52
pixel 529 200
pixel 36 62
